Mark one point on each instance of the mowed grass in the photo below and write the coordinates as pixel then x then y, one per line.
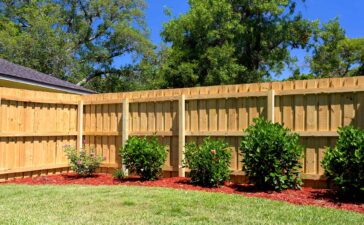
pixel 21 204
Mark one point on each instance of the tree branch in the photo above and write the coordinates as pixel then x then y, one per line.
pixel 97 73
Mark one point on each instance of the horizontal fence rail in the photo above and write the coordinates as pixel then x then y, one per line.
pixel 35 125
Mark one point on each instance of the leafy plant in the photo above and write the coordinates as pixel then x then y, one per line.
pixel 209 162
pixel 344 163
pixel 271 155
pixel 144 156
pixel 82 163
pixel 334 54
pixel 119 174
pixel 69 38
pixel 223 42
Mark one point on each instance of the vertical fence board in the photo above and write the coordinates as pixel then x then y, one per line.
pixel 182 136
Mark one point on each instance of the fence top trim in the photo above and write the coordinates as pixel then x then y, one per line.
pixel 296 87
pixel 315 91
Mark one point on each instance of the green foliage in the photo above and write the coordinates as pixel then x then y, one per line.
pixel 81 162
pixel 27 36
pixel 143 76
pixel 209 162
pixel 344 163
pixel 297 75
pixel 271 155
pixel 119 174
pixel 75 40
pixel 335 55
pixel 224 42
pixel 143 156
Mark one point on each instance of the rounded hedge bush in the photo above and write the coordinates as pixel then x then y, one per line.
pixel 344 163
pixel 271 155
pixel 209 162
pixel 144 156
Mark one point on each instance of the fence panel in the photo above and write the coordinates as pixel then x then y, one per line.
pixel 102 128
pixel 35 125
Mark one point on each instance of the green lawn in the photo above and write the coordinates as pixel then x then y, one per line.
pixel 20 204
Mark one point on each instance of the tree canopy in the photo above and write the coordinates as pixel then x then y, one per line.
pixel 74 40
pixel 334 54
pixel 232 41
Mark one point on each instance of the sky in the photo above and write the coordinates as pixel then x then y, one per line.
pixel 349 12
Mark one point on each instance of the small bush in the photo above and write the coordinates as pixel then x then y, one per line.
pixel 144 157
pixel 209 162
pixel 82 163
pixel 119 174
pixel 344 164
pixel 271 155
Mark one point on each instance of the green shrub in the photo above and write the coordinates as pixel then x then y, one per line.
pixel 209 162
pixel 344 164
pixel 144 157
pixel 82 163
pixel 119 174
pixel 271 155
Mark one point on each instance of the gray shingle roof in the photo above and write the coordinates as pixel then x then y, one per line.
pixel 11 70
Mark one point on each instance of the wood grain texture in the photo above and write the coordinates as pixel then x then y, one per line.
pixel 34 126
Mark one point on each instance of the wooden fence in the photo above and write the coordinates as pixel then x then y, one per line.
pixel 312 108
pixel 34 128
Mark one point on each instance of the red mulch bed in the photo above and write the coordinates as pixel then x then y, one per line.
pixel 306 196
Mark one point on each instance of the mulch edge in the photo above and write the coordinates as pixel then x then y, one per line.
pixel 180 183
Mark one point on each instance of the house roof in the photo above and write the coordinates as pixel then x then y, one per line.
pixel 17 73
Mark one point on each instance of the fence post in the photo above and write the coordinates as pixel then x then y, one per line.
pixel 0 103
pixel 181 134
pixel 80 125
pixel 270 105
pixel 125 126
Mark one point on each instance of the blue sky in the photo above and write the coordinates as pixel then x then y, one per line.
pixel 350 13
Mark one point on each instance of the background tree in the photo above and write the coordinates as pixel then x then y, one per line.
pixel 232 41
pixel 141 76
pixel 73 39
pixel 335 55
pixel 28 38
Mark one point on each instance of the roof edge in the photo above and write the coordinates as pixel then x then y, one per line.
pixel 45 85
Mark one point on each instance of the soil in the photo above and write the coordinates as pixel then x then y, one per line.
pixel 305 196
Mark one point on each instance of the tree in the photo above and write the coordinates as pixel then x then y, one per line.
pixel 74 40
pixel 334 54
pixel 27 37
pixel 141 76
pixel 232 41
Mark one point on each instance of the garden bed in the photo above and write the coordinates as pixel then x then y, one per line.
pixel 306 196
